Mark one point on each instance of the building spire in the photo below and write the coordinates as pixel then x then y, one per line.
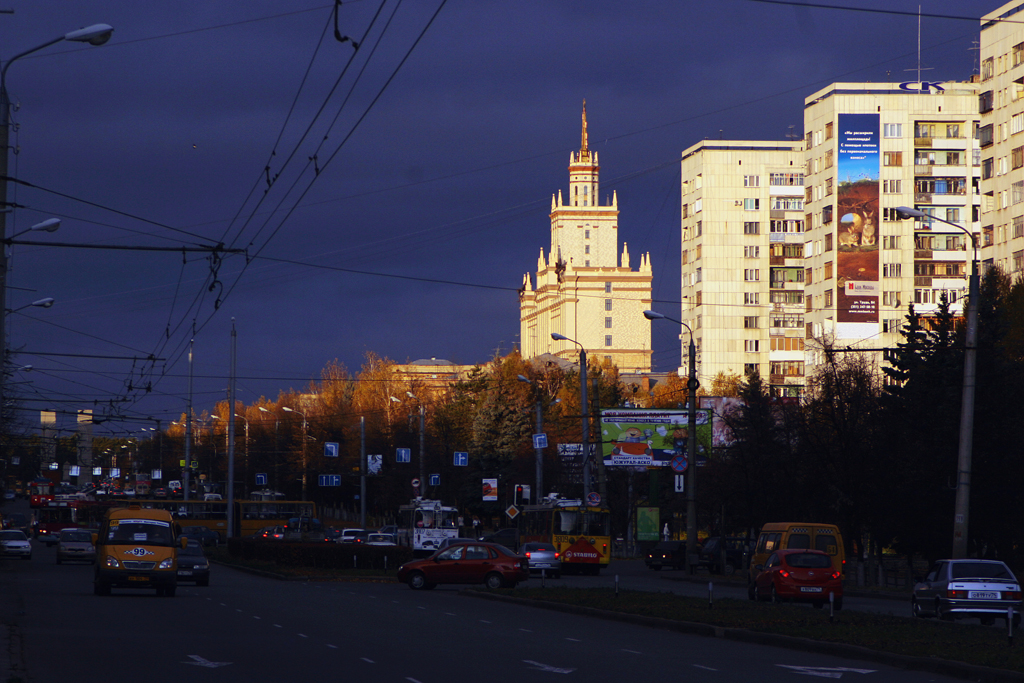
pixel 583 141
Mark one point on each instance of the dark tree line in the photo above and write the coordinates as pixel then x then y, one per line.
pixel 875 451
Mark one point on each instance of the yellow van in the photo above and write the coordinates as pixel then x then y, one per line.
pixel 778 535
pixel 137 548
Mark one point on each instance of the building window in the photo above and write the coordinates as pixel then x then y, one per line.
pixel 891 325
pixel 751 251
pixel 751 181
pixel 586 249
pixel 751 345
pixel 892 130
pixel 751 227
pixel 751 204
pixel 1018 226
pixel 698 205
pixel 608 323
pixel 828 241
pixel 891 299
pixel 787 204
pixel 892 186
pixel 828 298
pixel 751 368
pixel 892 159
pixel 986 168
pixel 750 322
pixel 892 269
pixel 607 340
pixel 607 288
pixel 751 274
pixel 828 270
pixel 890 241
pixel 607 304
pixel 586 264
pixel 790 368
pixel 751 298
pixel 826 214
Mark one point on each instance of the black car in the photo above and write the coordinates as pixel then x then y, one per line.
pixel 204 535
pixel 725 554
pixel 671 554
pixel 506 537
pixel 193 565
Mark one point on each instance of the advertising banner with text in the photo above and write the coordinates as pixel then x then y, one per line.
pixel 639 437
pixel 857 268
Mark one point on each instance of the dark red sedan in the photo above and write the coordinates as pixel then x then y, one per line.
pixel 798 575
pixel 491 564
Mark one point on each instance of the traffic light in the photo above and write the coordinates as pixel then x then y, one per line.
pixel 519 492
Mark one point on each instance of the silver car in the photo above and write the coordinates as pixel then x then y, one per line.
pixel 15 543
pixel 543 557
pixel 75 545
pixel 960 589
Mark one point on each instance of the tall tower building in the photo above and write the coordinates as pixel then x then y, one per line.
pixel 871 147
pixel 742 261
pixel 1001 137
pixel 584 289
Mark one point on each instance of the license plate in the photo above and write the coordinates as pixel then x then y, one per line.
pixel 184 572
pixel 810 589
pixel 983 595
pixel 138 578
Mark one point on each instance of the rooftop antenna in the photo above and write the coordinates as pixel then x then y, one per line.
pixel 919 67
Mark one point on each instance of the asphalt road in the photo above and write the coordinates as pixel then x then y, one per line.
pixel 245 628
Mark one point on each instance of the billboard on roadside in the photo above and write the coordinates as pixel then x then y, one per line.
pixel 642 437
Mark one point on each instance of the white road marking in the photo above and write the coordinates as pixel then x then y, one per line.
pixel 526 630
pixel 238 610
pixel 278 626
pixel 255 617
pixel 333 647
pixel 368 661
pixel 411 680
pixel 632 652
pixel 484 621
pixel 302 635
pixel 824 671
pixel 575 640
pixel 548 667
pixel 200 661
pixel 708 668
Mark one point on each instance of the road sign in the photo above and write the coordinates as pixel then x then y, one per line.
pixel 330 480
pixel 74 471
pixel 435 479
pixel 461 459
pixel 512 511
pixel 330 450
pixel 540 440
pixel 593 499
pixel 157 475
pixel 415 483
pixel 680 483
pixel 374 463
pixel 403 455
pixel 678 463
pixel 261 479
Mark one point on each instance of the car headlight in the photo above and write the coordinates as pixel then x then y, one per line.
pixel 203 565
pixel 111 562
pixel 167 564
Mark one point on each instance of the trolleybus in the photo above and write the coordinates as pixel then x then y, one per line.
pixel 424 524
pixel 580 532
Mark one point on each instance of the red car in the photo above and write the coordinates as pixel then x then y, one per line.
pixel 475 562
pixel 798 575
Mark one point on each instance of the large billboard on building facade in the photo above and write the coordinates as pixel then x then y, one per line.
pixel 640 437
pixel 857 267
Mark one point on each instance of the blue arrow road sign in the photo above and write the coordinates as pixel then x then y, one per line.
pixel 461 459
pixel 330 450
pixel 403 455
pixel 330 480
pixel 540 440
pixel 435 479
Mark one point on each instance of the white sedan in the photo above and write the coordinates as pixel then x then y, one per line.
pixel 15 544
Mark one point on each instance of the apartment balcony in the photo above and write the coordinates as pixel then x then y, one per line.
pixel 922 142
pixel 922 281
pixel 923 254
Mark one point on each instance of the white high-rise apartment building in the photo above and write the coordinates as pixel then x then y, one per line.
pixel 583 290
pixel 871 147
pixel 743 261
pixel 1001 136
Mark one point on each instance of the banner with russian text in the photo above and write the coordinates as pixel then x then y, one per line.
pixel 857 268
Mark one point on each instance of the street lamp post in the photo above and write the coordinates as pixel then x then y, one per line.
pixel 96 34
pixel 292 410
pixel 245 461
pixel 691 442
pixel 584 412
pixel 277 454
pixel 961 509
pixel 539 473
pixel 423 444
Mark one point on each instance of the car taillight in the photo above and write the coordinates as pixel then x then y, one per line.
pixel 558 555
pixel 784 573
pixel 1011 595
pixel 954 594
pixel 836 575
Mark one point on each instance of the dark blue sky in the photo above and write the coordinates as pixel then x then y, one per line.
pixel 401 219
